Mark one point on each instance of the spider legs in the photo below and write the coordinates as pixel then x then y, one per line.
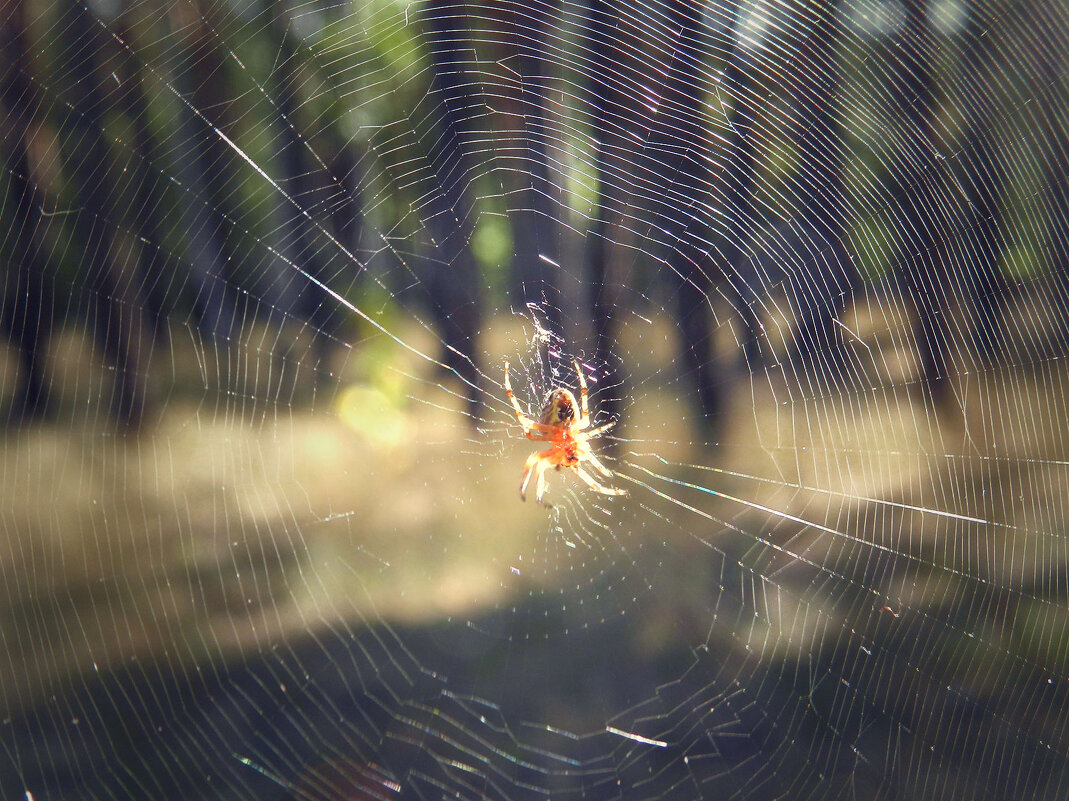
pixel 597 432
pixel 594 485
pixel 523 419
pixel 584 416
pixel 536 467
pixel 596 463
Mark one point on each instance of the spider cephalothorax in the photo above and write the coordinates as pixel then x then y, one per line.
pixel 563 423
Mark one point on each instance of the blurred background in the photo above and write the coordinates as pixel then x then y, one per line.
pixel 264 263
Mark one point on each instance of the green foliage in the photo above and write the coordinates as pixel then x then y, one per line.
pixel 874 244
pixel 491 245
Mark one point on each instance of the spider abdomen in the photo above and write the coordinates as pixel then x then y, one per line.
pixel 559 409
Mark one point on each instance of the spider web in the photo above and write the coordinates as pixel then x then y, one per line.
pixel 265 264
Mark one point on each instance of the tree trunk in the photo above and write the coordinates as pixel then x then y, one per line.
pixel 299 238
pixel 205 168
pixel 614 95
pixel 682 184
pixel 117 308
pixel 156 265
pixel 914 203
pixel 452 274
pixel 832 278
pixel 28 311
pixel 535 205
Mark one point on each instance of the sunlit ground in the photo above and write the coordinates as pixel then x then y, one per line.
pixel 238 519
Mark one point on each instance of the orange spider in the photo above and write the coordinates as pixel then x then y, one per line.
pixel 560 425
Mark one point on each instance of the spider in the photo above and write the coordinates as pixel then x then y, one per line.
pixel 567 432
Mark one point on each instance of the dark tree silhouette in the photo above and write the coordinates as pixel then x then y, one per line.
pixel 116 308
pixel 983 181
pixel 614 93
pixel 686 188
pixel 1054 113
pixel 452 276
pixel 914 197
pixel 204 167
pixel 670 175
pixel 27 316
pixel 157 268
pixel 682 186
pixel 289 293
pixel 829 276
pixel 342 189
pixel 533 198
pixel 732 241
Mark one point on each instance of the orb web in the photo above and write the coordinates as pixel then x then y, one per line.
pixel 265 263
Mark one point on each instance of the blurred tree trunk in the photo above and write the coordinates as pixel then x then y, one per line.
pixel 831 277
pixel 615 92
pixel 708 259
pixel 343 192
pixel 682 182
pixel 736 191
pixel 339 187
pixel 116 305
pixel 534 204
pixel 452 275
pixel 983 183
pixel 914 200
pixel 157 267
pixel 1054 112
pixel 204 167
pixel 299 239
pixel 28 306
